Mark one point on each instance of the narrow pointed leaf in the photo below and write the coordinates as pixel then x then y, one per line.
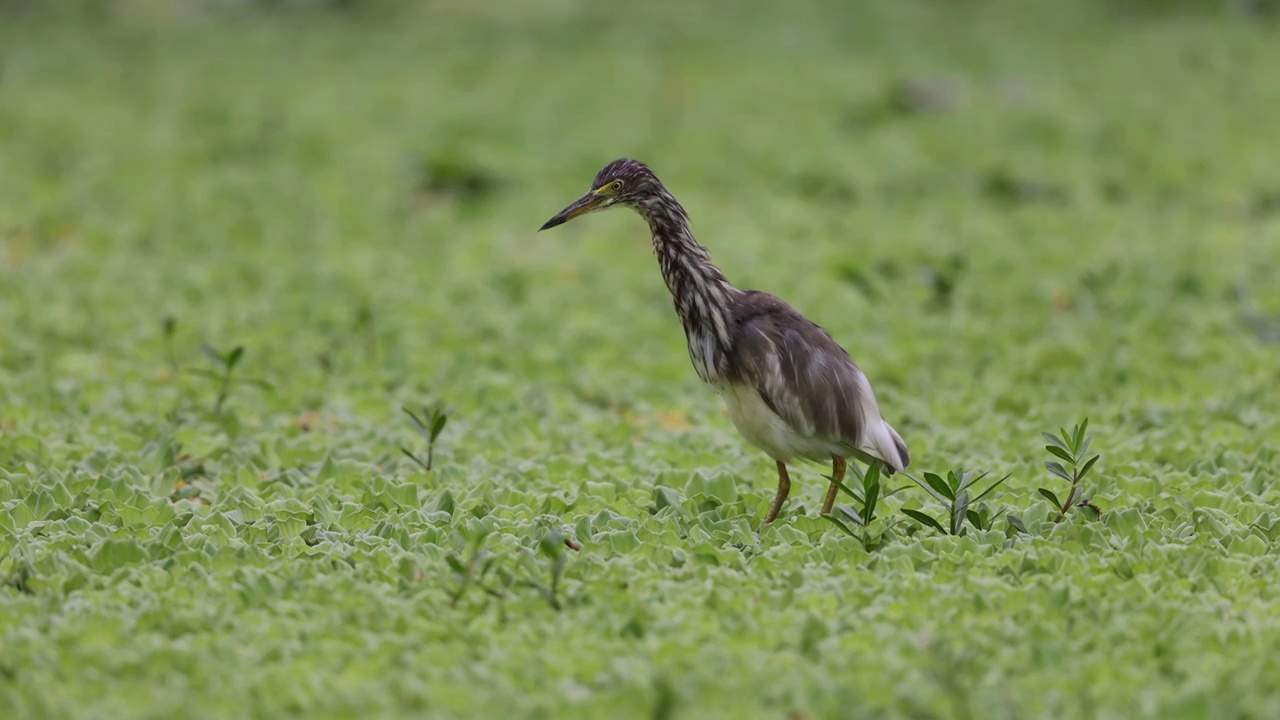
pixel 841 525
pixel 1078 440
pixel 414 458
pixel 1058 470
pixel 871 485
pixel 233 358
pixel 1016 523
pixel 1055 440
pixel 1050 496
pixel 873 496
pixel 939 485
pixel 975 520
pixel 1059 452
pixel 417 424
pixel 851 514
pixel 437 425
pixel 1084 447
pixel 844 488
pixel 993 486
pixel 1088 466
pixel 924 519
pixel 207 349
pixel 932 493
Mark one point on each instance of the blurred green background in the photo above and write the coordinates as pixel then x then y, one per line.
pixel 1015 215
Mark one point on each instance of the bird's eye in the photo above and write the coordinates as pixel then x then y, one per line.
pixel 615 186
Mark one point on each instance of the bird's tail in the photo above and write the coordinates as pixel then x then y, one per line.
pixel 889 447
pixel 900 448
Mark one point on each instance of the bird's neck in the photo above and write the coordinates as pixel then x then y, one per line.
pixel 699 290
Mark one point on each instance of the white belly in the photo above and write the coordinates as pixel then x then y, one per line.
pixel 764 429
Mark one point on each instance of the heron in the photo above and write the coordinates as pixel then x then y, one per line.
pixel 790 389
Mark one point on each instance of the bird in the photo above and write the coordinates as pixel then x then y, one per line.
pixel 790 389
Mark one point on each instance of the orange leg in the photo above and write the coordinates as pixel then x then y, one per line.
pixel 784 487
pixel 837 474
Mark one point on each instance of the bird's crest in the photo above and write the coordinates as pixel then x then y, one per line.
pixel 629 171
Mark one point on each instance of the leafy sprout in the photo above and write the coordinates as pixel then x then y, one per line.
pixel 1071 449
pixel 224 376
pixel 866 499
pixel 955 494
pixel 429 429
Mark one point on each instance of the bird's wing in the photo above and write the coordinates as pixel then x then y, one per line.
pixel 805 377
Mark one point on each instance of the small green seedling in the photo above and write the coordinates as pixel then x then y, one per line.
pixel 954 494
pixel 1071 449
pixel 552 547
pixel 227 363
pixel 866 498
pixel 475 570
pixel 429 430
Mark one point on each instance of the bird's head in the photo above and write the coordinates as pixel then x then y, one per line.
pixel 622 182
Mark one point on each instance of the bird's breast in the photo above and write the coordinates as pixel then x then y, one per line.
pixel 763 428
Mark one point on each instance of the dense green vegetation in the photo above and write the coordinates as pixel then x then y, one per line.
pixel 1014 215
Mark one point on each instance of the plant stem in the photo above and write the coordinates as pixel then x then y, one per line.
pixel 222 393
pixel 1071 496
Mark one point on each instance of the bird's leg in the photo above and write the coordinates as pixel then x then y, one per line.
pixel 837 476
pixel 784 487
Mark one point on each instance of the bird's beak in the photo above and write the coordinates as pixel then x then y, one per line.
pixel 583 205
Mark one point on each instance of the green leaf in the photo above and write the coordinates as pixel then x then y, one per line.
pixel 1057 469
pixel 417 424
pixel 924 519
pixel 663 497
pixel 1059 452
pixel 1055 440
pixel 832 519
pixel 116 553
pixel 1016 523
pixel 1078 440
pixel 851 513
pixel 207 349
pixel 438 422
pixel 968 479
pixel 233 358
pixel 167 325
pixel 552 544
pixel 958 512
pixel 445 503
pixel 844 488
pixel 974 519
pixel 1084 448
pixel 993 486
pixel 1088 466
pixel 872 486
pixel 939 485
pixel 1050 496
pixel 414 458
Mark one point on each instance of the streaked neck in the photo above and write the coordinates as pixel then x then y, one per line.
pixel 699 290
